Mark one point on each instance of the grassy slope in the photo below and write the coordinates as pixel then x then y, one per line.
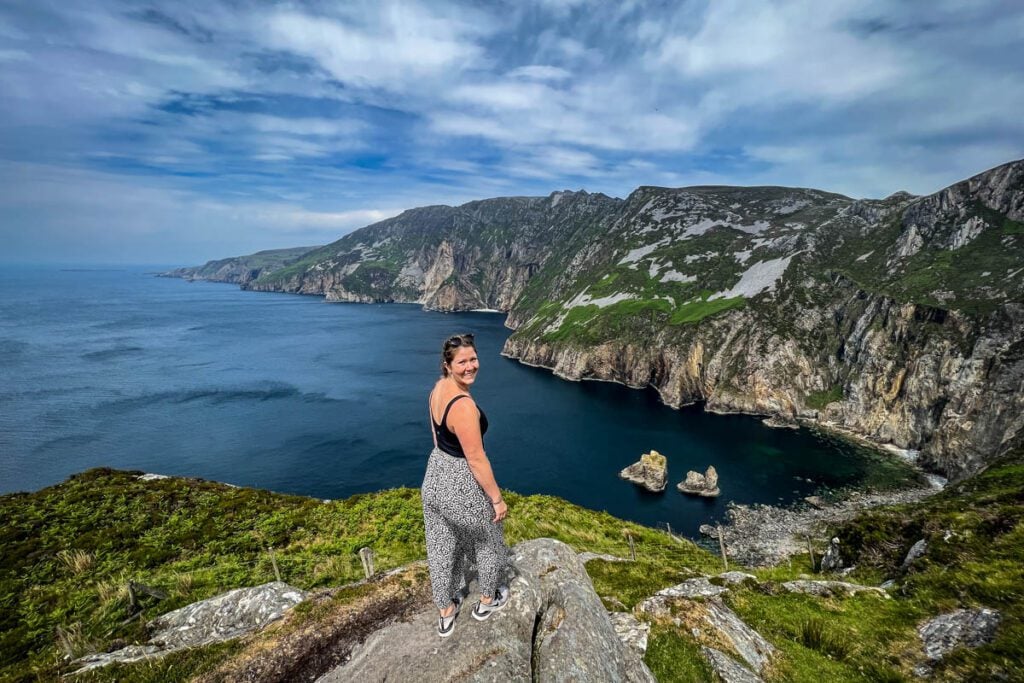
pixel 69 549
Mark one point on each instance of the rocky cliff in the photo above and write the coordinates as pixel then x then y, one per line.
pixel 241 270
pixel 899 320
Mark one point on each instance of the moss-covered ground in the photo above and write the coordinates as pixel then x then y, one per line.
pixel 70 550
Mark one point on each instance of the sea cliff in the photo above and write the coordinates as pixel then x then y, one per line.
pixel 899 320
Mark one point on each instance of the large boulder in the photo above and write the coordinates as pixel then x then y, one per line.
pixel 651 472
pixel 554 628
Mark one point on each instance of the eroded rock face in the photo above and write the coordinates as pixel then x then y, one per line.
pixel 651 472
pixel 231 615
pixel 554 628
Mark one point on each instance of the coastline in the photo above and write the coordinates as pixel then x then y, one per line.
pixel 767 535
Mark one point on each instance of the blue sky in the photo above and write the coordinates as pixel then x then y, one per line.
pixel 176 132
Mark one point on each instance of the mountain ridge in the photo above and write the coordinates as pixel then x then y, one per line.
pixel 897 319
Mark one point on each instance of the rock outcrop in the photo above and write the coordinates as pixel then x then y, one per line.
pixel 553 629
pixel 650 471
pixel 916 551
pixel 824 589
pixel 230 615
pixel 697 484
pixel 960 628
pixel 832 560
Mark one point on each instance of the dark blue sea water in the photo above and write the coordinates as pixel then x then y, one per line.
pixel 122 369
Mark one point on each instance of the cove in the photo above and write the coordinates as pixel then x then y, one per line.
pixel 117 368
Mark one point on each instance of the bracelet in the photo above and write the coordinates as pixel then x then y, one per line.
pixel 495 502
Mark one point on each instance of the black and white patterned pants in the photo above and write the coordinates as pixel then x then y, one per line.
pixel 457 517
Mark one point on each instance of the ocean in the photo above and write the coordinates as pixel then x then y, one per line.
pixel 113 367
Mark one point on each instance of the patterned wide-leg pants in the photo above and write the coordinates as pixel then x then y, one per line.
pixel 457 517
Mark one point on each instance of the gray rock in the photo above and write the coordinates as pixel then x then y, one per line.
pixel 832 561
pixel 698 587
pixel 554 628
pixel 727 668
pixel 916 551
pixel 631 631
pixel 708 530
pixel 223 617
pixel 750 644
pixel 726 625
pixel 829 588
pixel 961 628
pixel 735 577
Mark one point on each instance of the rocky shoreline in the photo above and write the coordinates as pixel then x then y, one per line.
pixel 765 535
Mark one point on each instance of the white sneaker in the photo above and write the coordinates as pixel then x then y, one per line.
pixel 446 625
pixel 482 610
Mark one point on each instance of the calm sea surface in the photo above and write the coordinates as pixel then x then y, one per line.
pixel 122 369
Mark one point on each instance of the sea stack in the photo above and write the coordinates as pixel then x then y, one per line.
pixel 651 472
pixel 697 484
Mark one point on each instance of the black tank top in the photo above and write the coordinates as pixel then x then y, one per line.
pixel 447 440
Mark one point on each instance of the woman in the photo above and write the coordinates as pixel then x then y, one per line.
pixel 462 505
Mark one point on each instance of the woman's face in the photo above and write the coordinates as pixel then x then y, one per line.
pixel 464 365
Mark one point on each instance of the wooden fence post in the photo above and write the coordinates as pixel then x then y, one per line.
pixel 721 546
pixel 366 556
pixel 273 561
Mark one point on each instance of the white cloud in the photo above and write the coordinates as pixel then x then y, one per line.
pixel 540 72
pixel 316 111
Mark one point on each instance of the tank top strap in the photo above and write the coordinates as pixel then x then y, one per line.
pixel 444 417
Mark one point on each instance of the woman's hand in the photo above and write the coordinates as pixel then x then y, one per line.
pixel 500 510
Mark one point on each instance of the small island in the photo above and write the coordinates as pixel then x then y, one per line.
pixel 651 472
pixel 697 484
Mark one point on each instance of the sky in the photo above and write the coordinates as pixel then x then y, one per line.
pixel 178 132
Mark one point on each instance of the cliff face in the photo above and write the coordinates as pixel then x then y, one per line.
pixel 901 320
pixel 478 255
pixel 241 270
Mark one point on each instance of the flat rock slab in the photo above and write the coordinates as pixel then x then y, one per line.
pixel 727 668
pixel 750 644
pixel 735 577
pixel 826 589
pixel 961 628
pixel 554 628
pixel 223 617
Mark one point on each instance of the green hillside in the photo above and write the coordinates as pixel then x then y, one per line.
pixel 69 551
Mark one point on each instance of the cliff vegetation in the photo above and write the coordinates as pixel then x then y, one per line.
pixel 70 551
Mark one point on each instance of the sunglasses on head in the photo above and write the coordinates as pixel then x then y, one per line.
pixel 459 340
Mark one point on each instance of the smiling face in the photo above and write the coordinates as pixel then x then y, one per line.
pixel 464 365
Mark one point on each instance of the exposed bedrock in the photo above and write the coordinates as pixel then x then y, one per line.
pixel 952 389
